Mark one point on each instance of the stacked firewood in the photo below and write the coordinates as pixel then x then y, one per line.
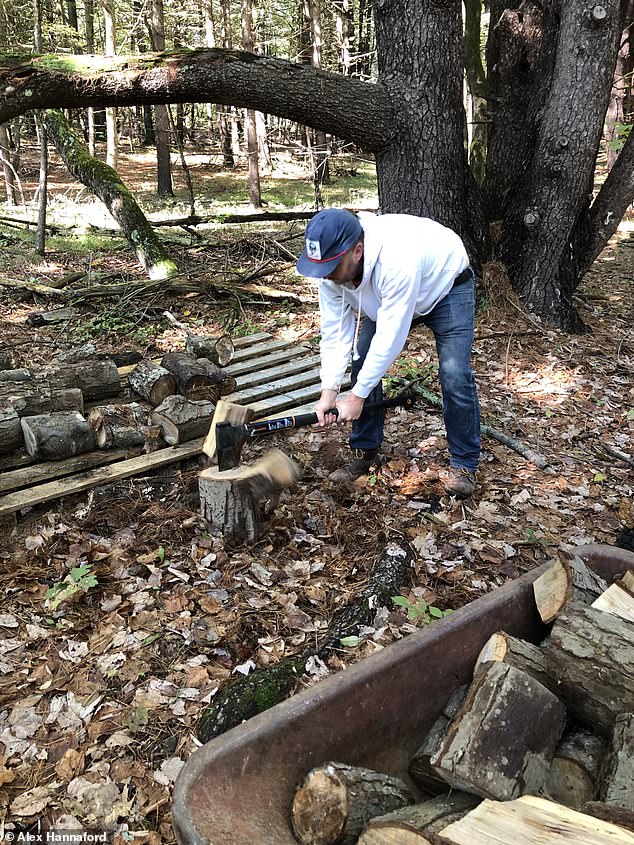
pixel 544 734
pixel 44 410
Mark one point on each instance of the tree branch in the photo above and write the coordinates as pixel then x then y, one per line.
pixel 357 111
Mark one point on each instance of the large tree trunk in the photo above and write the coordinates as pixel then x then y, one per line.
pixel 107 185
pixel 156 27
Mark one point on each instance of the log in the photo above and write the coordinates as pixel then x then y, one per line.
pixel 617 782
pixel 502 648
pixel 335 801
pixel 59 315
pixel 568 579
pixel 592 654
pixel 610 813
pixel 191 377
pixel 417 823
pixel 53 437
pixel 420 769
pixel 118 426
pixel 96 378
pixel 230 500
pixel 530 820
pixel 32 398
pixel 501 743
pixel 627 581
pixel 21 374
pixel 225 412
pixel 219 350
pixel 225 383
pixel 181 419
pixel 574 772
pixel 152 382
pixel 11 437
pixel 617 601
pixel 6 359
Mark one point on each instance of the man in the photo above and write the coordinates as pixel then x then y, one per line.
pixel 393 269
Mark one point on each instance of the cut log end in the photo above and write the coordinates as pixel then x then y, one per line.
pixel 320 809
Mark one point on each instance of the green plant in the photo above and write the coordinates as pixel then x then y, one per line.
pixel 79 580
pixel 621 132
pixel 405 370
pixel 420 612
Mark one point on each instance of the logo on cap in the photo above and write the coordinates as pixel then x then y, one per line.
pixel 313 250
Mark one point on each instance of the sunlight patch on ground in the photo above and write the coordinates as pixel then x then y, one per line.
pixel 551 381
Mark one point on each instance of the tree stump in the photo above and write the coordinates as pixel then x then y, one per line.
pixel 11 437
pixel 191 377
pixel 417 823
pixel 591 653
pixel 420 769
pixel 219 350
pixel 152 382
pixel 574 772
pixel 335 801
pixel 118 426
pixel 181 419
pixel 501 743
pixel 230 500
pixel 617 786
pixel 567 580
pixel 53 437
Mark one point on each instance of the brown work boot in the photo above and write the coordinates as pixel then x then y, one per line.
pixel 364 459
pixel 460 482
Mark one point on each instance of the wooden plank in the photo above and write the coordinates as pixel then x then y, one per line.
pixel 252 366
pixel 288 368
pixel 38 473
pixel 273 388
pixel 261 349
pixel 95 477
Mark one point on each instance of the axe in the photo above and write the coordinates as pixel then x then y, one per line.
pixel 230 438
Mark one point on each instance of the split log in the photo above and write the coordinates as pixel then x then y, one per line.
pixel 191 377
pixel 502 648
pixel 420 769
pixel 335 801
pixel 610 813
pixel 53 437
pixel 118 426
pixel 181 419
pixel 230 500
pixel 592 654
pixel 11 437
pixel 225 383
pixel 225 412
pixel 245 697
pixel 574 772
pixel 220 350
pixel 531 821
pixel 32 398
pixel 152 382
pixel 617 601
pixel 501 743
pixel 97 378
pixel 416 824
pixel 617 786
pixel 627 581
pixel 568 579
pixel 6 359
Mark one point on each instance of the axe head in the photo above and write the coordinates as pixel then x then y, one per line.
pixel 229 441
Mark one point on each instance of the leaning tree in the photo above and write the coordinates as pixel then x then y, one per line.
pixel 549 76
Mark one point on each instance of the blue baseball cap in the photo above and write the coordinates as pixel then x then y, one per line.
pixel 330 234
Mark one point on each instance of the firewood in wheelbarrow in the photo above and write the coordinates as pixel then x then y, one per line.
pixel 220 350
pixel 420 769
pixel 53 437
pixel 419 822
pixel 568 579
pixel 617 785
pixel 574 772
pixel 152 382
pixel 335 801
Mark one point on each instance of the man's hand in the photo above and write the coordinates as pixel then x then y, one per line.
pixel 326 403
pixel 350 408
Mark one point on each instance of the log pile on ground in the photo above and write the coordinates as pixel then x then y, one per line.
pixel 44 411
pixel 544 734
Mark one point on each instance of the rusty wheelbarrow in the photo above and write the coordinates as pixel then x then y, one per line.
pixel 238 789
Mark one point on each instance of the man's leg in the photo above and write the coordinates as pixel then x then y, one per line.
pixel 452 322
pixel 367 432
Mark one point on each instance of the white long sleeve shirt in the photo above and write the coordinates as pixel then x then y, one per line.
pixel 409 264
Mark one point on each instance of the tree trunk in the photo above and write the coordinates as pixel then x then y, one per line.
pixel 107 185
pixel 617 109
pixel 248 43
pixel 476 80
pixel 110 43
pixel 7 167
pixel 40 235
pixel 164 188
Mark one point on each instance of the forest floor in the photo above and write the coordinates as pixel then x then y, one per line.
pixel 99 697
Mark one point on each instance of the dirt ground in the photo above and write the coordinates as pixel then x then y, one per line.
pixel 100 691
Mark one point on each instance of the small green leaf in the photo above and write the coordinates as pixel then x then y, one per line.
pixel 161 554
pixel 436 612
pixel 630 414
pixel 402 601
pixel 79 572
pixel 350 642
pixel 600 477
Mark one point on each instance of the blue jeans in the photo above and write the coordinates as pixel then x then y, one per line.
pixel 452 322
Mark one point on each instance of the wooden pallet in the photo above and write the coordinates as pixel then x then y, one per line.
pixel 273 377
